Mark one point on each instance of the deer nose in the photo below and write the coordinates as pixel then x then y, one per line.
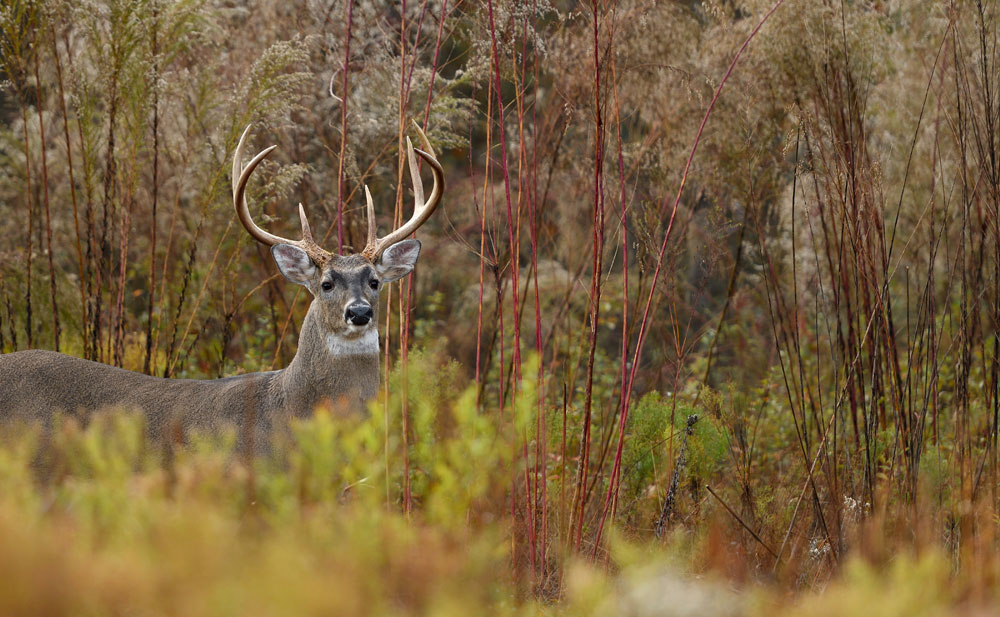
pixel 358 314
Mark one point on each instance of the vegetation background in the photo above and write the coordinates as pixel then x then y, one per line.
pixel 707 323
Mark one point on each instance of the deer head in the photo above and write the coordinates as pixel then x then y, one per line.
pixel 345 288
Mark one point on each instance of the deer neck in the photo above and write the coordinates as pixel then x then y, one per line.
pixel 330 369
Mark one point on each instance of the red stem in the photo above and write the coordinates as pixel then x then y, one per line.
pixel 506 186
pixel 613 485
pixel 343 128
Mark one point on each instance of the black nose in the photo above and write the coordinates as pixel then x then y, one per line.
pixel 358 314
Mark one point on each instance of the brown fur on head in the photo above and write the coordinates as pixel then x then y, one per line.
pixel 345 288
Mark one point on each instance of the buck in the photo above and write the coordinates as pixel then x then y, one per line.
pixel 336 362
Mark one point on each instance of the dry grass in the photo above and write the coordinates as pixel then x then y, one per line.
pixel 796 241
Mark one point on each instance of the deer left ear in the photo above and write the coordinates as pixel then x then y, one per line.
pixel 398 260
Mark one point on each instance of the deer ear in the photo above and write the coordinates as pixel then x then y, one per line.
pixel 294 263
pixel 398 260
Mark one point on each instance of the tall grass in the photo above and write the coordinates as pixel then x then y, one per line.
pixel 724 276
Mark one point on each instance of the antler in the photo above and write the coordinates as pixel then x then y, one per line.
pixel 421 209
pixel 241 175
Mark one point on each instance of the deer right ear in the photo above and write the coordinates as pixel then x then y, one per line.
pixel 294 263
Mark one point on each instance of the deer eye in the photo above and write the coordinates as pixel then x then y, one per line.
pixel 327 285
pixel 373 283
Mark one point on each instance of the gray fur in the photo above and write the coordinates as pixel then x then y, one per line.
pixel 336 363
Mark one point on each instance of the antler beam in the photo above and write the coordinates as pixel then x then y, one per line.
pixel 240 177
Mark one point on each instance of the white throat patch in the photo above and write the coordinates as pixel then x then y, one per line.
pixel 364 345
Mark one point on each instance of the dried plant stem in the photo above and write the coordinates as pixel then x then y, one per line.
pixel 668 504
pixel 167 252
pixel 404 296
pixel 343 127
pixel 611 499
pixel 513 245
pixel 147 363
pixel 201 294
pixel 72 190
pixel 103 269
pixel 597 254
pixel 119 308
pixel 741 522
pixel 45 197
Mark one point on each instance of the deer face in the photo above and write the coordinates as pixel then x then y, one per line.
pixel 346 287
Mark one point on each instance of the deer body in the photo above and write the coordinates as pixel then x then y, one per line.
pixel 336 363
pixel 344 375
pixel 38 383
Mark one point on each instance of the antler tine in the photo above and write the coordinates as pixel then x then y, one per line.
pixel 426 143
pixel 372 239
pixel 241 176
pixel 306 231
pixel 421 209
pixel 418 186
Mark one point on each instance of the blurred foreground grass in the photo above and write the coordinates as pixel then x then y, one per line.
pixel 107 523
pixel 113 526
